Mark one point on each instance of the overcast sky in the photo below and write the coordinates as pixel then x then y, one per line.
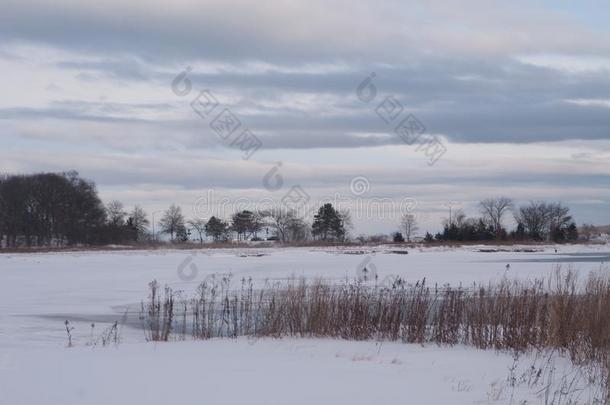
pixel 517 93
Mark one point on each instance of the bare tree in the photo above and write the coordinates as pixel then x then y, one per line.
pixel 139 221
pixel 559 220
pixel 172 222
pixel 346 222
pixel 558 216
pixel 198 225
pixel 116 213
pixel 298 230
pixel 256 224
pixel 409 224
pixel 534 218
pixel 288 226
pixel 494 209
pixel 457 218
pixel 545 220
pixel 279 219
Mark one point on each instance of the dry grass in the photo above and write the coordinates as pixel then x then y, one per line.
pixel 560 314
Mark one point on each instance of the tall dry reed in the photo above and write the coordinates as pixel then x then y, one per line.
pixel 560 313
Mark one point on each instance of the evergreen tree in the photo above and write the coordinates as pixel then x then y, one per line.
pixel 246 223
pixel 217 229
pixel 182 233
pixel 328 224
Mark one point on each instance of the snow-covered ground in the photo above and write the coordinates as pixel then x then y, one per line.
pixel 39 291
pixel 265 372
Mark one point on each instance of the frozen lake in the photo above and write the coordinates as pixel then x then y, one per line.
pixel 39 291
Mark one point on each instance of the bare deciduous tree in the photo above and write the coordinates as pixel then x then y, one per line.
pixel 116 213
pixel 534 218
pixel 494 209
pixel 172 222
pixel 288 226
pixel 558 216
pixel 409 224
pixel 298 229
pixel 198 225
pixel 139 221
pixel 457 217
pixel 278 220
pixel 544 220
pixel 346 221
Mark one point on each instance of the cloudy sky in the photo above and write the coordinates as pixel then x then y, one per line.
pixel 516 93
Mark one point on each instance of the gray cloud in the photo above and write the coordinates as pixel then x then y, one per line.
pixel 464 101
pixel 289 71
pixel 458 86
pixel 300 30
pixel 126 69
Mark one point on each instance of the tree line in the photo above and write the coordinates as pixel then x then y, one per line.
pixel 329 224
pixel 536 221
pixel 63 209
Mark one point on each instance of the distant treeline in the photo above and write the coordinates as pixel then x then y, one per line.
pixel 536 221
pixel 62 209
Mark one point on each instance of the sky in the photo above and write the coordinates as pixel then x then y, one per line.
pixel 381 107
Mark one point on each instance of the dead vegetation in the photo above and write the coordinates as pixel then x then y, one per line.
pixel 560 314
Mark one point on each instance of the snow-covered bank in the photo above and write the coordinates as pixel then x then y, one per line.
pixel 262 372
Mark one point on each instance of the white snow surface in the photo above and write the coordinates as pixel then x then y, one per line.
pixel 264 372
pixel 39 290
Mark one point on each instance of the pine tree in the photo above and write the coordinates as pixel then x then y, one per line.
pixel 328 224
pixel 216 228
